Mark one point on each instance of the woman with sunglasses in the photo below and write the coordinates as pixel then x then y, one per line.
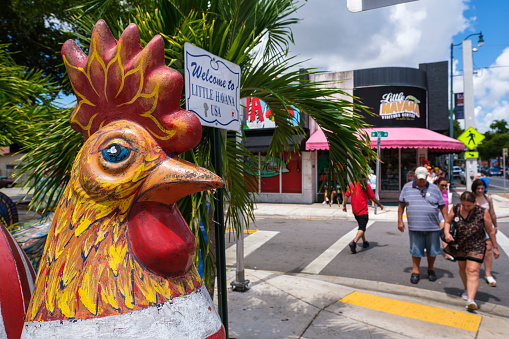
pixel 443 185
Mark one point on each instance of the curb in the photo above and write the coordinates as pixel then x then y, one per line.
pixel 324 217
pixel 407 291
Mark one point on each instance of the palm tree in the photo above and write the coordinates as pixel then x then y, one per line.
pixel 25 99
pixel 255 35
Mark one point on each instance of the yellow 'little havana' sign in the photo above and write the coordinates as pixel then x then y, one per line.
pixel 471 137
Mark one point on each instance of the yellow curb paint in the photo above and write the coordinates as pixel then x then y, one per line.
pixel 436 315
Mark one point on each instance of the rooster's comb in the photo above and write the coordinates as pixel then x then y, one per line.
pixel 121 80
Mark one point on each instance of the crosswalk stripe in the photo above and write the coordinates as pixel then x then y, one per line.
pixel 503 242
pixel 251 244
pixel 432 314
pixel 317 265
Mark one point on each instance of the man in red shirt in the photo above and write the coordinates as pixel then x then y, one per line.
pixel 360 192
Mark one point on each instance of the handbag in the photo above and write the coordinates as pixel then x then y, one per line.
pixel 452 229
pixel 452 246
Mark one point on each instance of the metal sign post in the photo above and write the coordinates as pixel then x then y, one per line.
pixel 378 181
pixel 240 284
pixel 213 94
pixel 378 135
pixel 504 153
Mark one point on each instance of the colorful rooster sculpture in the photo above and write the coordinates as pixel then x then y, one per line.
pixel 118 258
pixel 16 285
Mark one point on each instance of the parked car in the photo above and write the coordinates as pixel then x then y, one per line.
pixel 463 178
pixel 456 170
pixel 495 171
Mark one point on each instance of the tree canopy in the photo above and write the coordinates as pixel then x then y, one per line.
pixel 36 30
pixel 495 140
pixel 25 99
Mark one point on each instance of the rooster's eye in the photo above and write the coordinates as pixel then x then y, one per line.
pixel 115 153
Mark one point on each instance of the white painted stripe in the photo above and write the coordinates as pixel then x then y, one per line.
pixel 251 244
pixel 317 265
pixel 503 242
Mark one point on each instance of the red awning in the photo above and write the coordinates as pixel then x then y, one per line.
pixel 398 137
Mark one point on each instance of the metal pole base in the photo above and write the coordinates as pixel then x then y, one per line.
pixel 240 286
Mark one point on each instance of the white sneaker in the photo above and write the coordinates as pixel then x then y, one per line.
pixel 471 305
pixel 464 296
pixel 324 202
pixel 490 281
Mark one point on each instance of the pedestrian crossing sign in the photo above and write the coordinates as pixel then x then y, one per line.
pixel 471 137
pixel 471 155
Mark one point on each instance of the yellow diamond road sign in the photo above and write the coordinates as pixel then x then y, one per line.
pixel 471 137
pixel 471 155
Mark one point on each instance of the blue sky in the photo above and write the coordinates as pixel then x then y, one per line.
pixel 405 35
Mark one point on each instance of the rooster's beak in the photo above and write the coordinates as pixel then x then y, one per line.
pixel 175 178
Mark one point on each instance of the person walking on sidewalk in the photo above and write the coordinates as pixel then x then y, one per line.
pixel 443 186
pixel 486 181
pixel 421 200
pixel 484 200
pixel 471 222
pixel 372 183
pixel 360 192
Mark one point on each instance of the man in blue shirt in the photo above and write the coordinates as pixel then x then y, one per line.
pixel 486 181
pixel 422 201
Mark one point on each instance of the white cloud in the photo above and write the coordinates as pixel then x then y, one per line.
pixel 484 117
pixel 403 35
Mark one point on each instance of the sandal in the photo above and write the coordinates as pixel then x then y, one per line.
pixel 490 281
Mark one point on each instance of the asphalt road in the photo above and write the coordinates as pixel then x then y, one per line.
pixel 292 245
pixel 496 185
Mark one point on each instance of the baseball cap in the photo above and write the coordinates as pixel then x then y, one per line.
pixel 421 173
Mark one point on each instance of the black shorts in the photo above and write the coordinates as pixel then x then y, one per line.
pixel 362 220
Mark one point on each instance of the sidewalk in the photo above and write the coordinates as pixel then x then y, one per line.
pixel 280 305
pixel 311 306
pixel 320 211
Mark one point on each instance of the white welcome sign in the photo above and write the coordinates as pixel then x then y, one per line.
pixel 212 88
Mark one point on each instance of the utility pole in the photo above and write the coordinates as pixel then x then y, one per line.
pixel 468 90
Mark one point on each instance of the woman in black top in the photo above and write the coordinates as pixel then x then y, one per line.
pixel 470 222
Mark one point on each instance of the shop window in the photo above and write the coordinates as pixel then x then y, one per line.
pixel 277 176
pixel 252 182
pixel 269 176
pixel 292 175
pixel 408 164
pixel 390 169
pixel 322 165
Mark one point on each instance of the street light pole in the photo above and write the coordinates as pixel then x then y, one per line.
pixel 451 110
pixel 451 125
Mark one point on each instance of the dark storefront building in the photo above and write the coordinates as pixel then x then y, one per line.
pixel 412 106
